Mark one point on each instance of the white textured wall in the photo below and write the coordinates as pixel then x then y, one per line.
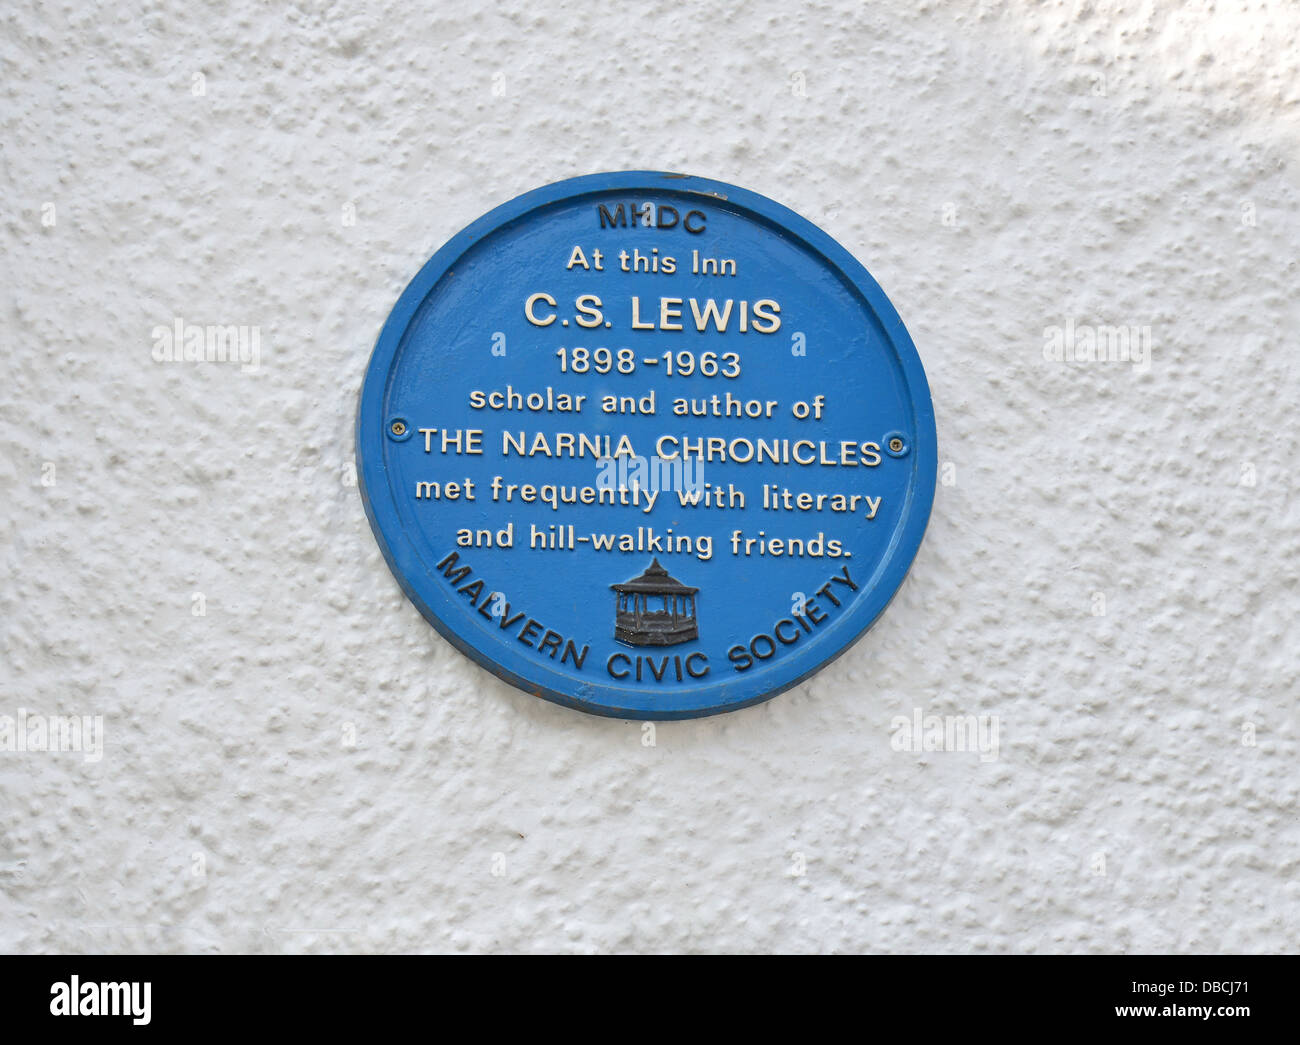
pixel 1111 164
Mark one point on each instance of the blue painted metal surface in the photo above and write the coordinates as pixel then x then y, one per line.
pixel 697 608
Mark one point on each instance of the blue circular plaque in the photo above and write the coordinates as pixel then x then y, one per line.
pixel 647 445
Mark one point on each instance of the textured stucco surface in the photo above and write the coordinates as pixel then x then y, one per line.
pixel 1000 169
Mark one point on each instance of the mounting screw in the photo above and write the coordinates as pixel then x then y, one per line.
pixel 895 444
pixel 398 429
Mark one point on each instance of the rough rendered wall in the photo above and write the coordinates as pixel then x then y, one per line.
pixel 1111 567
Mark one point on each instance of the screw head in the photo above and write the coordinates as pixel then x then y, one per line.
pixel 399 428
pixel 896 444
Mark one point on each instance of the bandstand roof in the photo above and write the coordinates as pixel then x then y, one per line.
pixel 655 581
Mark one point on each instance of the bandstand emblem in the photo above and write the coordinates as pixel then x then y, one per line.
pixel 654 609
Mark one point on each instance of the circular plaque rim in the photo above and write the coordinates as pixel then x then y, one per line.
pixel 415 577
